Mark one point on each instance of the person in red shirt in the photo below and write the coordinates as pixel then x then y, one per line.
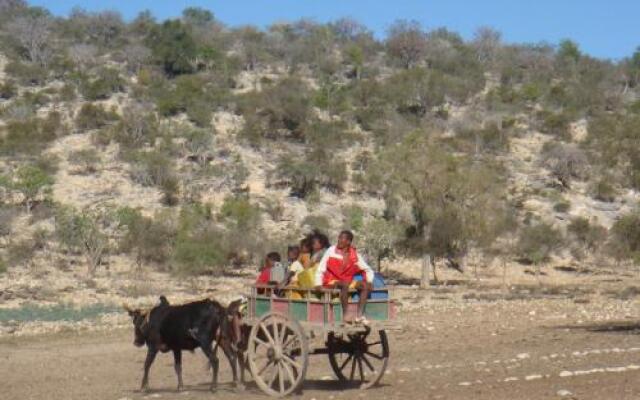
pixel 337 268
pixel 264 278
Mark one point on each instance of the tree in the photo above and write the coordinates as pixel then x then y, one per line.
pixel 197 16
pixel 406 42
pixel 31 181
pixel 537 242
pixel 136 55
pixel 380 239
pixel 172 47
pixel 486 42
pixel 83 55
pixel 625 235
pixel 448 197
pixel 32 33
pixel 566 162
pixel 83 232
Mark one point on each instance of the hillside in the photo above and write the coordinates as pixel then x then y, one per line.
pixel 146 156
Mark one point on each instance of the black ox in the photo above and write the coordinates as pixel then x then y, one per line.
pixel 175 328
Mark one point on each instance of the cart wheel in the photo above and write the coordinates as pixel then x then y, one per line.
pixel 360 358
pixel 278 354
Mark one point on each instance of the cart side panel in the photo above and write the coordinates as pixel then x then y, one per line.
pixel 281 306
pixel 298 310
pixel 262 306
pixel 377 311
pixel 318 313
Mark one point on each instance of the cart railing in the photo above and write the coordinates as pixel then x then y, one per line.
pixel 317 306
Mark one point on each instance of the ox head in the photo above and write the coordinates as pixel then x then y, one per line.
pixel 140 325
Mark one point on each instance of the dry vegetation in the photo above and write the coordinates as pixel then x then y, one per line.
pixel 190 147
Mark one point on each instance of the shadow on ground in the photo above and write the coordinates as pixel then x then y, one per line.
pixel 622 327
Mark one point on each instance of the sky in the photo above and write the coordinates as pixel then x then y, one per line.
pixel 605 29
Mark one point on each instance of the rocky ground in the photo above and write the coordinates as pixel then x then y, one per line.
pixel 573 336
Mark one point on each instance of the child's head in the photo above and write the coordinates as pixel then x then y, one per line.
pixel 271 259
pixel 319 242
pixel 305 245
pixel 293 252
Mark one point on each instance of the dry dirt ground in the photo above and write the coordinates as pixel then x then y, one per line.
pixel 554 346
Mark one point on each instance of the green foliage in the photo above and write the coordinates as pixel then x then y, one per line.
pixel 556 124
pixel 27 73
pixel 604 190
pixel 562 207
pixel 239 214
pixel 317 222
pixel 3 266
pixel 172 47
pixel 85 160
pixel 591 236
pixel 537 242
pixel 29 312
pixel 190 94
pixel 8 90
pixel 278 111
pixel 92 116
pixel 625 235
pixel 490 138
pixel 107 82
pixel 354 217
pixel 136 128
pixel 83 232
pixel 149 240
pixel 31 181
pixel 29 136
pixel 380 238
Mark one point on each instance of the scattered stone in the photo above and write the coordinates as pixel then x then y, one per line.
pixel 532 377
pixel 565 374
pixel 564 393
pixel 523 356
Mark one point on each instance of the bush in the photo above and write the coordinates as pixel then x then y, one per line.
pixel 138 127
pixel 21 252
pixel 27 74
pixel 91 116
pixel 317 222
pixel 354 217
pixel 85 160
pixel 8 90
pixel 625 235
pixel 562 207
pixel 589 235
pixel 556 124
pixel 3 266
pixel 172 46
pixel 537 242
pixel 566 162
pixel 151 168
pixel 239 214
pixel 83 232
pixel 148 239
pixel 106 83
pixel 603 190
pixel 31 181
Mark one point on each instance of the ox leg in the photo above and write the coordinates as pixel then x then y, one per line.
pixel 151 355
pixel 177 358
pixel 231 356
pixel 215 364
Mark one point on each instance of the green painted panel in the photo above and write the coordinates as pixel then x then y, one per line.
pixel 263 306
pixel 337 312
pixel 298 310
pixel 377 311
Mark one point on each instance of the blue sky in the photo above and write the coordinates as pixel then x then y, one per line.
pixel 606 29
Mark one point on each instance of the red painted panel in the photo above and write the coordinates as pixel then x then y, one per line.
pixel 280 306
pixel 316 313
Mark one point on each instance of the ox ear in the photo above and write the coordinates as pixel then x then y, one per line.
pixel 130 310
pixel 164 301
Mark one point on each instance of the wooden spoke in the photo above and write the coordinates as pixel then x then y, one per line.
pixel 263 369
pixel 366 361
pixel 358 354
pixel 353 369
pixel 376 356
pixel 267 334
pixel 280 378
pixel 291 361
pixel 289 371
pixel 283 376
pixel 344 364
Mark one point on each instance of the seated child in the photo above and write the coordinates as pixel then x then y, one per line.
pixel 264 278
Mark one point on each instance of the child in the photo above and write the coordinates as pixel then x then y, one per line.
pixel 295 266
pixel 264 278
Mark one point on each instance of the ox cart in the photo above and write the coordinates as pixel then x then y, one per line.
pixel 284 332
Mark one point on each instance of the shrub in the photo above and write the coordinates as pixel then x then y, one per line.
pixel 556 124
pixel 106 83
pixel 354 217
pixel 589 235
pixel 27 74
pixel 562 207
pixel 8 90
pixel 31 181
pixel 317 222
pixel 566 162
pixel 32 135
pixel 625 235
pixel 83 232
pixel 148 239
pixel 85 160
pixel 137 127
pixel 238 213
pixel 152 168
pixel 21 252
pixel 603 190
pixel 537 242
pixel 91 116
pixel 172 46
pixel 3 266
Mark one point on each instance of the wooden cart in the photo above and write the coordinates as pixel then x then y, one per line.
pixel 284 332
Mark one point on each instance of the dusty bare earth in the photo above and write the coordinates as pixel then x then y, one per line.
pixel 548 345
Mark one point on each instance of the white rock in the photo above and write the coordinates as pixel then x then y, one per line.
pixel 565 374
pixel 532 377
pixel 523 356
pixel 564 393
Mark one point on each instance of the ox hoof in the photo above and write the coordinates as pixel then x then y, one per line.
pixel 240 387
